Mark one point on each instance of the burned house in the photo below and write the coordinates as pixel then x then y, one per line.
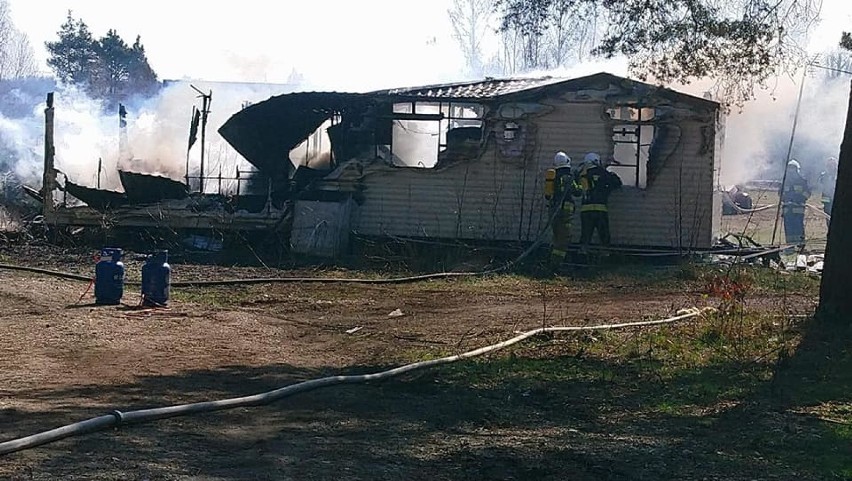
pixel 462 161
pixel 467 161
pixel 146 198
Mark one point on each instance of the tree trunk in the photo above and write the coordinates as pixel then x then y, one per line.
pixel 835 296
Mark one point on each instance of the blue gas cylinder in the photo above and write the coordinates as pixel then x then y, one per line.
pixel 156 280
pixel 109 277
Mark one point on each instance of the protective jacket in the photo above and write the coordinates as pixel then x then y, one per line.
pixel 796 193
pixel 565 188
pixel 827 182
pixel 596 184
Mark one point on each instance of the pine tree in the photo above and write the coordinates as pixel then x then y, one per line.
pixel 107 68
pixel 74 56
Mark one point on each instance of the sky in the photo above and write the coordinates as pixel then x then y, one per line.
pixel 363 44
pixel 366 43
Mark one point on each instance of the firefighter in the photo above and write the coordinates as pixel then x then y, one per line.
pixel 559 191
pixel 827 181
pixel 596 183
pixel 793 199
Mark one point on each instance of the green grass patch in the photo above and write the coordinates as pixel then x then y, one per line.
pixel 820 447
pixel 411 356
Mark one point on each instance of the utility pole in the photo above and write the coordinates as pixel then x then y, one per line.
pixel 205 111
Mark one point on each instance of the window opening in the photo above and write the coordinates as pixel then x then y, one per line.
pixel 632 136
pixel 425 132
pixel 510 132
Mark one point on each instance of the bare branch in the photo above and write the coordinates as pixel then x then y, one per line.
pixel 471 22
pixel 17 58
pixel 742 43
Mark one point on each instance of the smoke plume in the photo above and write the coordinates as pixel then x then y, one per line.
pixel 758 137
pixel 87 134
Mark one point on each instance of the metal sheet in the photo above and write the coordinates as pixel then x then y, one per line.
pixel 98 199
pixel 264 133
pixel 146 189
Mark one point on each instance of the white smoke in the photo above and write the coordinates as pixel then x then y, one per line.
pixel 87 136
pixel 757 137
pixel 615 66
pixel 81 132
pixel 757 134
pixel 158 130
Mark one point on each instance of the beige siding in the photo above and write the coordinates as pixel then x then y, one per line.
pixel 485 199
pixel 500 198
pixel 676 209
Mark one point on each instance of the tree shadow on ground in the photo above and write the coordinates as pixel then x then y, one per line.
pixel 508 418
pixel 791 418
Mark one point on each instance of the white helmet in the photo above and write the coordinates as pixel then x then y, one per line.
pixel 592 158
pixel 561 159
pixel 794 163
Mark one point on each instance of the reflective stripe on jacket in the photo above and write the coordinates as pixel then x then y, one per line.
pixel 593 208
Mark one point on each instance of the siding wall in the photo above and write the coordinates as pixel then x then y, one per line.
pixel 501 198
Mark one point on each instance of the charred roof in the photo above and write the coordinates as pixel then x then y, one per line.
pixel 509 88
pixel 265 132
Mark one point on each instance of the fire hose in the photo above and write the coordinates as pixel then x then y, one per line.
pixel 819 211
pixel 271 280
pixel 266 280
pixel 759 208
pixel 119 418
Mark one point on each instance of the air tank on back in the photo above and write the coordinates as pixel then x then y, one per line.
pixel 156 280
pixel 109 277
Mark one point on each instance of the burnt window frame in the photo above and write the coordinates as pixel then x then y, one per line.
pixel 619 127
pixel 446 117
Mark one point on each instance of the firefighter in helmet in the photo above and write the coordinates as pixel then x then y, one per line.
pixel 827 181
pixel 793 199
pixel 559 191
pixel 596 183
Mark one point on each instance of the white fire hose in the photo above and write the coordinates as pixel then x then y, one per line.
pixel 117 418
pixel 819 211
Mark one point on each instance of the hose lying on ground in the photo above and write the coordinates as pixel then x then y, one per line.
pixel 260 280
pixel 270 280
pixel 759 208
pixel 392 280
pixel 819 210
pixel 47 272
pixel 117 418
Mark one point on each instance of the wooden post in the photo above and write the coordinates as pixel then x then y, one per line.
pixel 48 183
